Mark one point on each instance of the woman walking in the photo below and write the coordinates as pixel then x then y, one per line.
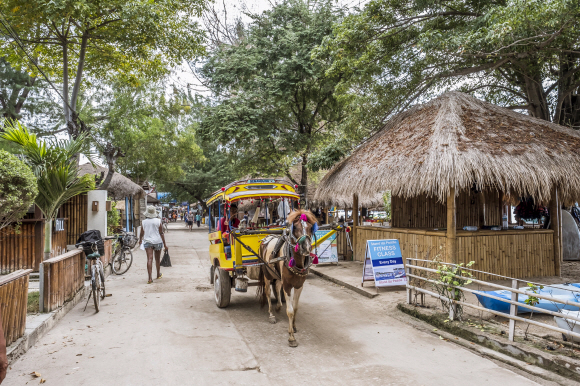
pixel 154 239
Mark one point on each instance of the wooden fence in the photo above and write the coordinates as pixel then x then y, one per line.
pixel 76 210
pixel 343 248
pixel 512 253
pixel 62 277
pixel 14 299
pixel 24 248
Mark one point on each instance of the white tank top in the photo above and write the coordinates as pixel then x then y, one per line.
pixel 151 229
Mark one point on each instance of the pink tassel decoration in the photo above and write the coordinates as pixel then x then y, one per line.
pixel 303 217
pixel 314 258
pixel 296 248
pixel 291 263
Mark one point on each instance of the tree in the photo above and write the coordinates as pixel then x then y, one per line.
pixel 201 180
pixel 55 168
pixel 73 38
pixel 154 130
pixel 519 54
pixel 17 189
pixel 273 105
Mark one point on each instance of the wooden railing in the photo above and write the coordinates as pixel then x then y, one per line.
pixel 24 248
pixel 61 277
pixel 13 300
pixel 75 210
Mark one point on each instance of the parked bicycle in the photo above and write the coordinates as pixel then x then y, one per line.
pixel 122 255
pixel 97 272
pixel 165 221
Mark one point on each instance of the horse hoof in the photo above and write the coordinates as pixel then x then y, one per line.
pixel 278 308
pixel 272 320
pixel 292 343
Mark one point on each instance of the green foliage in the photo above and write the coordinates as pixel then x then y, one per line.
pixel 154 130
pixel 125 37
pixel 533 300
pixel 54 165
pixel 450 278
pixel 17 188
pixel 113 218
pixel 387 204
pixel 201 180
pixel 274 105
pixel 513 53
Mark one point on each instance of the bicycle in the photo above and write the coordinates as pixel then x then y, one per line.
pixel 164 221
pixel 122 255
pixel 97 274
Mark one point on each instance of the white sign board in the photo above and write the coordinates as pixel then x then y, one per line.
pixel 387 262
pixel 328 249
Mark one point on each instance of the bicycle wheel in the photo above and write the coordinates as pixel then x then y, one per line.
pixel 122 262
pixel 95 283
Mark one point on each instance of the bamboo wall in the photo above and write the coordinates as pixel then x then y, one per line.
pixel 343 248
pixel 516 253
pixel 13 300
pixel 426 212
pixel 64 276
pixel 24 249
pixel 76 211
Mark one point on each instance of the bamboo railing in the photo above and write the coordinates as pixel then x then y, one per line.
pixel 13 300
pixel 24 248
pixel 61 278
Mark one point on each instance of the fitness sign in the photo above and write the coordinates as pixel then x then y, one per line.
pixel 387 262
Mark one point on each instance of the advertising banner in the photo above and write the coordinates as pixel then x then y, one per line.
pixel 328 249
pixel 387 262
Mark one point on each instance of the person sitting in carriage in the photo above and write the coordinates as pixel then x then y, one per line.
pixel 224 226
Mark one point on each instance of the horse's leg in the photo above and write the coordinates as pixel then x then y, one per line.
pixel 267 289
pixel 297 293
pixel 278 290
pixel 290 312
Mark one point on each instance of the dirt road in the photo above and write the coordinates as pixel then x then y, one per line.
pixel 171 333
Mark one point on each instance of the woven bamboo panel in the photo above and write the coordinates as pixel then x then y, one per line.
pixel 517 254
pixel 76 211
pixel 17 249
pixel 13 300
pixel 427 212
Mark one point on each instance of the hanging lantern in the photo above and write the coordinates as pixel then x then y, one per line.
pixel 223 189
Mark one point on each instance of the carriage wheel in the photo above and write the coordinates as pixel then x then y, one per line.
pixel 222 286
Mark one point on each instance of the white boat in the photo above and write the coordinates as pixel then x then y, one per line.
pixel 568 324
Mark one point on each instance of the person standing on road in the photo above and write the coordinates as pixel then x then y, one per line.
pixel 154 239
pixel 186 218
pixel 198 219
pixel 190 221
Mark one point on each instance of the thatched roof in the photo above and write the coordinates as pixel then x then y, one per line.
pixel 457 140
pixel 120 185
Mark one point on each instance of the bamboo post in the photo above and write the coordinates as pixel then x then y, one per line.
pixel 451 225
pixel 555 225
pixel 326 209
pixel 354 223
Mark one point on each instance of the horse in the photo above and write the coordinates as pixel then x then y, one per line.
pixel 288 257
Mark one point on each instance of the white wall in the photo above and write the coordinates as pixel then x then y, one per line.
pixel 97 220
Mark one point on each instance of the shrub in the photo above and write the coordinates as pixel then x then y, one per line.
pixel 17 188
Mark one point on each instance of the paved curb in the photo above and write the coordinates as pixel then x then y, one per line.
pixel 351 287
pixel 34 333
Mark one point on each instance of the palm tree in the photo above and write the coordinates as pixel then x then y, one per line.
pixel 56 169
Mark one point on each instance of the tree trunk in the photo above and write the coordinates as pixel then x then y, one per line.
pixel 67 117
pixel 304 179
pixel 79 75
pixel 47 238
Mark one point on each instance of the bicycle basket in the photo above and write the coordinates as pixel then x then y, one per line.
pixel 92 236
pixel 130 240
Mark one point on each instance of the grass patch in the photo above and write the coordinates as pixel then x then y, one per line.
pixel 33 302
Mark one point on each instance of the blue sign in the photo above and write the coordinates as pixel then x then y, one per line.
pixel 387 262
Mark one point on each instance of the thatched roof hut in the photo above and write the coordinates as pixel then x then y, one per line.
pixel 120 185
pixel 456 141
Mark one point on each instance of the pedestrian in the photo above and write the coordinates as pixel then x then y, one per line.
pixel 198 219
pixel 190 221
pixel 154 239
pixel 186 219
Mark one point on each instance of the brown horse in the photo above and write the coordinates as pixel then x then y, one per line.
pixel 290 256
